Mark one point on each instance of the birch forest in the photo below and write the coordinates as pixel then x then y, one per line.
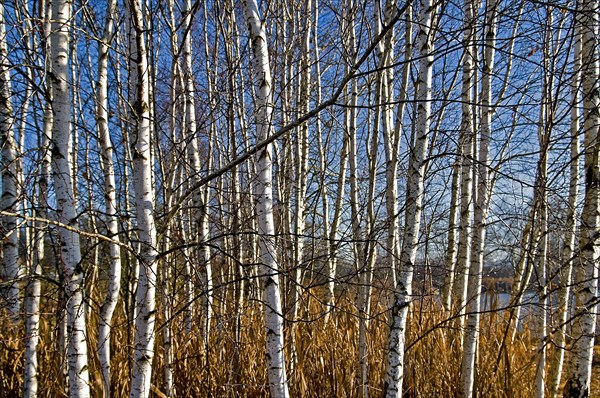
pixel 299 198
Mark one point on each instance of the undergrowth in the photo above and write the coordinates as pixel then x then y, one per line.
pixel 327 354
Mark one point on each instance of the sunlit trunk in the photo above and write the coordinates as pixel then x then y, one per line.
pixel 482 194
pixel 466 153
pixel 8 200
pixel 414 199
pixel 65 198
pixel 586 269
pixel 112 226
pixel 569 249
pixel 144 205
pixel 269 268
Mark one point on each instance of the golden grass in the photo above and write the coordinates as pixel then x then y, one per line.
pixel 327 361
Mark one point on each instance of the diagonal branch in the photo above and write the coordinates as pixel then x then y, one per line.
pixel 168 217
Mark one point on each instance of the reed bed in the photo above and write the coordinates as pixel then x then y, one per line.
pixel 327 354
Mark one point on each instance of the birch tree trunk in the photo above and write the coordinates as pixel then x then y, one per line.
pixel 358 237
pixel 144 204
pixel 67 209
pixel 451 255
pixel 30 41
pixel 586 274
pixel 568 250
pixel 351 127
pixel 264 206
pixel 199 226
pixel 33 287
pixel 524 268
pixel 127 99
pixel 235 208
pixel 300 186
pixel 323 191
pixel 8 200
pixel 544 134
pixel 332 244
pixel 112 226
pixel 172 176
pixel 414 198
pixel 466 139
pixel 392 136
pixel 207 271
pixel 482 194
pixel 541 267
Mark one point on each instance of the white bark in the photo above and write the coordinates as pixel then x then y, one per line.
pixel 568 250
pixel 355 213
pixel 144 204
pixel 482 196
pixel 172 174
pixel 233 198
pixel 542 316
pixel 33 287
pixel 264 205
pixel 586 275
pixel 30 41
pixel 450 261
pixel 127 127
pixel 301 179
pixel 206 271
pixel 351 126
pixel 524 268
pixel 191 136
pixel 332 243
pixel 67 210
pixel 368 258
pixel 323 191
pixel 8 166
pixel 466 139
pixel 392 136
pixel 112 226
pixel 32 321
pixel 544 131
pixel 414 198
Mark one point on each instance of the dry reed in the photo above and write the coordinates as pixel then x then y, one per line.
pixel 327 360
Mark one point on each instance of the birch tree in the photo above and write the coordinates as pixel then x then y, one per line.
pixel 112 226
pixel 450 261
pixel 65 198
pixel 206 271
pixel 414 199
pixel 466 139
pixel 347 25
pixel 33 287
pixel 8 201
pixel 144 205
pixel 569 249
pixel 586 271
pixel 482 193
pixel 332 245
pixel 199 200
pixel 330 270
pixel 30 40
pixel 264 205
pixel 301 155
pixel 541 260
